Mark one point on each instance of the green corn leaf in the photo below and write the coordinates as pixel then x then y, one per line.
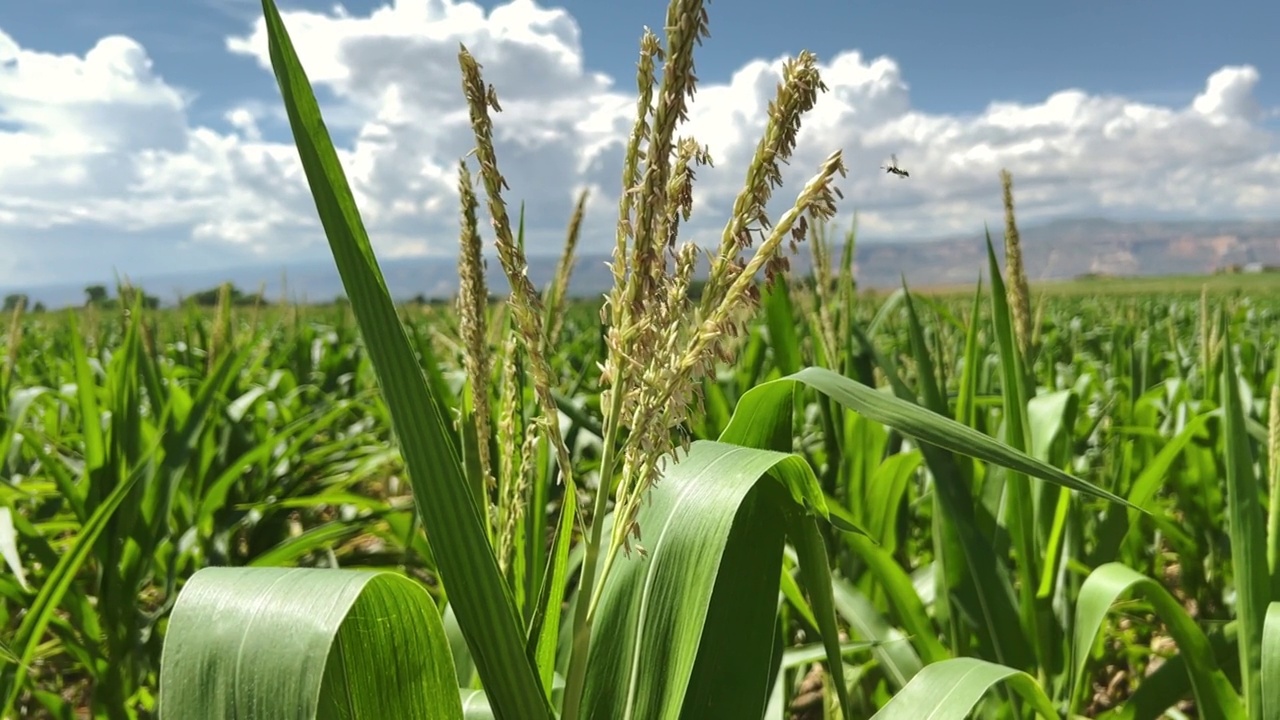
pixel 41 611
pixel 1247 526
pixel 764 420
pixel 949 690
pixel 1105 585
pixel 544 631
pixel 929 427
pixel 1270 667
pixel 694 614
pixel 303 643
pixel 1022 500
pixel 484 605
pixel 892 650
pixel 780 319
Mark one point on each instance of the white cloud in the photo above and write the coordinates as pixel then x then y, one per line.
pixel 101 141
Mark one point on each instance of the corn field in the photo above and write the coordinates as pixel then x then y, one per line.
pixel 764 495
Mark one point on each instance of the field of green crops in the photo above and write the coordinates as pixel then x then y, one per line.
pixel 774 499
pixel 260 439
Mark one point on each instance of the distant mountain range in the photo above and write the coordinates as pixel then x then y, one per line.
pixel 1060 249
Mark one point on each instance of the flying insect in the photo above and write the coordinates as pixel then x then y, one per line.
pixel 892 167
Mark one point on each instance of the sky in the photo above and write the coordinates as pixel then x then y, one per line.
pixel 147 136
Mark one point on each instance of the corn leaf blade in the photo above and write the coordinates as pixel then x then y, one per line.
pixel 306 643
pixel 949 689
pixel 1105 585
pixel 695 614
pixel 1247 527
pixel 485 609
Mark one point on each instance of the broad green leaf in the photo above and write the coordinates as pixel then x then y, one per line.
pixel 303 643
pixel 1247 527
pixel 693 616
pixel 1270 667
pixel 1273 497
pixel 1107 584
pixel 763 420
pixel 1050 418
pixel 950 689
pixel 484 605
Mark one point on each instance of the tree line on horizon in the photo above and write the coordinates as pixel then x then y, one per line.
pixel 98 296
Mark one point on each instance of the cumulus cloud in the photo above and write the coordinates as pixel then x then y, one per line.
pixel 100 143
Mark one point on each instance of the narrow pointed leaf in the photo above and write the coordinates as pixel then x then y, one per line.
pixel 935 429
pixel 41 611
pixel 482 601
pixel 1247 527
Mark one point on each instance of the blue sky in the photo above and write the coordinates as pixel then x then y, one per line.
pixel 948 63
pixel 957 56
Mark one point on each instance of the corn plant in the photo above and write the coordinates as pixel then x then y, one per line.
pixel 683 624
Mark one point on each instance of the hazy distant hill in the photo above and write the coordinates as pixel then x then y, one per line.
pixel 1070 248
pixel 1057 250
